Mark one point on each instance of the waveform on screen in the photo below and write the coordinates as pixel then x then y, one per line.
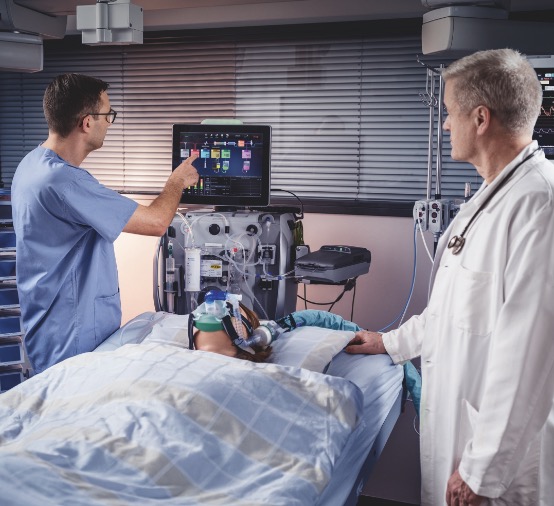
pixel 543 131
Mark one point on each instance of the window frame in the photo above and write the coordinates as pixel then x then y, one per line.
pixel 126 99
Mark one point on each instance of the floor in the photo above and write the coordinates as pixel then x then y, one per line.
pixel 372 501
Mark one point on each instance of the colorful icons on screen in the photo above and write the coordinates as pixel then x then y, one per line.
pixel 217 152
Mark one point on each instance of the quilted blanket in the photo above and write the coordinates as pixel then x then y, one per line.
pixel 157 424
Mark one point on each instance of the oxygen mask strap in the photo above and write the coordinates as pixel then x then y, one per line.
pixel 287 322
pixel 238 341
pixel 191 331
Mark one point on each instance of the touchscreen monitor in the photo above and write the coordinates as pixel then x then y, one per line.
pixel 233 163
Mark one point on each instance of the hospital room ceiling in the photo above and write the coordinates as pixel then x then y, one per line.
pixel 171 14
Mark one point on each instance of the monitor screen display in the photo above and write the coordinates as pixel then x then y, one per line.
pixel 233 163
pixel 544 128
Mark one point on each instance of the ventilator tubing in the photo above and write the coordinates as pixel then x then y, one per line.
pixel 265 334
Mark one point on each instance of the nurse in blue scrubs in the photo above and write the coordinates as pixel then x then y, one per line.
pixel 66 223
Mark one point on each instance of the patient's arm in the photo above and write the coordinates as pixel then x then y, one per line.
pixel 316 318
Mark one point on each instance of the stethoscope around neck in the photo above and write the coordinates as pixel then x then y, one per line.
pixel 457 242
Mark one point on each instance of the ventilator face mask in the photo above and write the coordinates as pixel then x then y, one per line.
pixel 214 314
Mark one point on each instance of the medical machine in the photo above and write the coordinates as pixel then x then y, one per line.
pixel 333 264
pixel 243 251
pixel 241 246
pixel 544 128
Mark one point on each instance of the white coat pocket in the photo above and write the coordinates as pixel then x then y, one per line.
pixel 472 303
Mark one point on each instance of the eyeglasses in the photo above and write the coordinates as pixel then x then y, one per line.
pixel 110 116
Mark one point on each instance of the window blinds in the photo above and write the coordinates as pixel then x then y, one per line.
pixel 349 125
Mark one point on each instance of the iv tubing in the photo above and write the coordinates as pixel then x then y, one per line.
pixel 414 271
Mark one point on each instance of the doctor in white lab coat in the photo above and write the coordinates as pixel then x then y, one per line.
pixel 486 338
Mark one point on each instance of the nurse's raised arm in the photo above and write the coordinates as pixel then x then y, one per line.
pixel 155 218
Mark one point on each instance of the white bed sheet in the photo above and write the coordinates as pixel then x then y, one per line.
pixel 380 382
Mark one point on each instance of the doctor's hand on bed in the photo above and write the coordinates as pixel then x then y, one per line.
pixel 365 341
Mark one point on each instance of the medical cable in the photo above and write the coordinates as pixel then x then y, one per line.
pixel 266 274
pixel 352 306
pixel 245 261
pixel 296 197
pixel 236 239
pixel 247 288
pixel 185 231
pixel 414 422
pixel 156 268
pixel 424 243
pixel 402 313
pixel 170 277
pixel 349 285
pixel 277 277
pixel 244 273
pixel 189 225
pixel 400 317
pixel 255 242
pixel 457 242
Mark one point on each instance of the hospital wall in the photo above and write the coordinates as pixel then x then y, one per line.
pixel 380 296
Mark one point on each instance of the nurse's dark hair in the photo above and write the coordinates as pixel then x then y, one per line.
pixel 68 99
pixel 502 80
pixel 261 354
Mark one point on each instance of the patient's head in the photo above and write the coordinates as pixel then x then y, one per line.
pixel 220 342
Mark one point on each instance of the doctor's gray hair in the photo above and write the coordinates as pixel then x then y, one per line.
pixel 501 80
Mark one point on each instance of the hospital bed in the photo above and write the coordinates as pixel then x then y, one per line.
pixel 154 422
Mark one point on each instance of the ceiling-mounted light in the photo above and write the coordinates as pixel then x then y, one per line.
pixel 456 30
pixel 21 33
pixel 110 22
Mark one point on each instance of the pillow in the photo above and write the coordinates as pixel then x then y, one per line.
pixel 171 329
pixel 311 348
pixel 135 330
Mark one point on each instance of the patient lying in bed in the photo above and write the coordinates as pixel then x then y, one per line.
pixel 172 329
pixel 315 337
pixel 153 423
pixel 220 342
